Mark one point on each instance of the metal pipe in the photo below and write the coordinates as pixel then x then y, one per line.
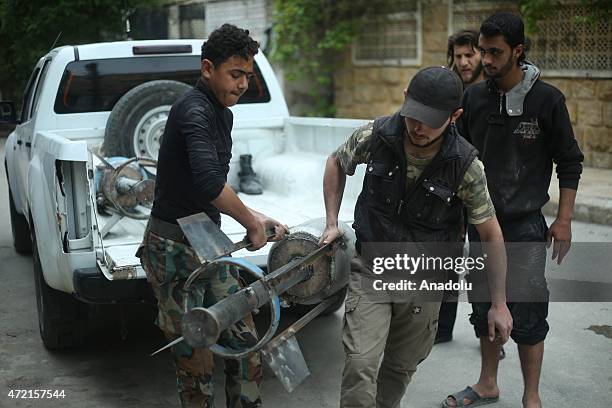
pixel 298 325
pixel 202 327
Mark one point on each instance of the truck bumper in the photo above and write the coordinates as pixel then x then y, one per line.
pixel 91 286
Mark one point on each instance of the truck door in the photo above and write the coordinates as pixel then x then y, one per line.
pixel 34 105
pixel 26 129
pixel 21 153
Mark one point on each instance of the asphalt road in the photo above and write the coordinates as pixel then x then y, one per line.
pixel 114 369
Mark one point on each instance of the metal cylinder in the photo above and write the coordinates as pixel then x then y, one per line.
pixel 327 275
pixel 297 261
pixel 123 184
pixel 202 327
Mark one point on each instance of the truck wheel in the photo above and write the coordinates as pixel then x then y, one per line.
pixel 136 123
pixel 62 319
pixel 19 224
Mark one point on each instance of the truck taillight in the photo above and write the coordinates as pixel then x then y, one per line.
pixel 74 206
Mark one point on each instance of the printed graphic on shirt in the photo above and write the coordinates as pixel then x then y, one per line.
pixel 528 131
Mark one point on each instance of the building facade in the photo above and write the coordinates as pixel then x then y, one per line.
pixel 575 57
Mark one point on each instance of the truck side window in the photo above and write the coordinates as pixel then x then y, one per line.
pixel 258 91
pixel 96 85
pixel 39 86
pixel 27 95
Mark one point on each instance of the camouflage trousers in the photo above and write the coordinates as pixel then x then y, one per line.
pixel 167 264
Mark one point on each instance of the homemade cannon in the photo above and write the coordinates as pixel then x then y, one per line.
pixel 298 272
pixel 125 187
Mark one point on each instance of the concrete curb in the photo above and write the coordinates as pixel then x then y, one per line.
pixel 594 213
pixel 593 200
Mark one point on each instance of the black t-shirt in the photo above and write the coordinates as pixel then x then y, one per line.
pixel 194 156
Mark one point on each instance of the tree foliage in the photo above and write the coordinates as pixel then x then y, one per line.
pixel 28 30
pixel 308 34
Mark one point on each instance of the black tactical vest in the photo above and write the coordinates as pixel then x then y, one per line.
pixel 428 211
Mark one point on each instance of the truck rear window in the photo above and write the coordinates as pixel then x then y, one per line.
pixel 96 85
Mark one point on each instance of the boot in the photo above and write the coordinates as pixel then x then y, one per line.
pixel 249 182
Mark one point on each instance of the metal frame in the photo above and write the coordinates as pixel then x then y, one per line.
pixel 417 61
pixel 551 73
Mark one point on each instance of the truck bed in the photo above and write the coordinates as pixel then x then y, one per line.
pixel 122 241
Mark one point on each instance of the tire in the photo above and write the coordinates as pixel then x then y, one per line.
pixel 136 124
pixel 19 225
pixel 62 319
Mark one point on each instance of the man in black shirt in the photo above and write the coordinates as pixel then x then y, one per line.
pixel 192 170
pixel 520 125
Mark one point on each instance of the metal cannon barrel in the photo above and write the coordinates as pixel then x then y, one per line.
pixel 202 327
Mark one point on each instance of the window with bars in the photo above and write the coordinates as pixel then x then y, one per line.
pixel 191 18
pixel 391 39
pixel 469 14
pixel 250 14
pixel 561 47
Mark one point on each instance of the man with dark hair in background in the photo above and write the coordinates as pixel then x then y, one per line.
pixel 520 125
pixel 192 170
pixel 463 56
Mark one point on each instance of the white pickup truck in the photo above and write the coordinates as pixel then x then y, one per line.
pixel 80 97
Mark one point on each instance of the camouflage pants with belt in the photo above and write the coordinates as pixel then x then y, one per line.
pixel 167 264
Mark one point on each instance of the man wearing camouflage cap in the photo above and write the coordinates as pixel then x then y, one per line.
pixel 420 174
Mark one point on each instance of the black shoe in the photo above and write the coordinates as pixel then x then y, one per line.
pixel 249 182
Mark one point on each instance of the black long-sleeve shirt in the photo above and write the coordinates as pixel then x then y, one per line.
pixel 194 156
pixel 518 151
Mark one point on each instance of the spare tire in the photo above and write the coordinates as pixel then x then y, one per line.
pixel 136 123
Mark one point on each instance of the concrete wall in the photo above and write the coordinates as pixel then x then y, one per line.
pixel 368 92
pixel 371 91
pixel 249 14
pixel 589 102
pixel 186 19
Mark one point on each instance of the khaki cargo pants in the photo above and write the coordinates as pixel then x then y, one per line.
pixel 403 333
pixel 167 264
